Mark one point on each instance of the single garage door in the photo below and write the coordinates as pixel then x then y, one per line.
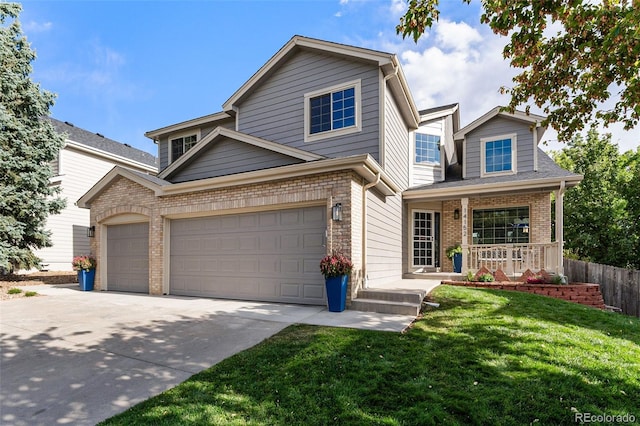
pixel 268 256
pixel 128 257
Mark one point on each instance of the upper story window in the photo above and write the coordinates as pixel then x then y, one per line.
pixel 332 112
pixel 498 155
pixel 181 145
pixel 427 149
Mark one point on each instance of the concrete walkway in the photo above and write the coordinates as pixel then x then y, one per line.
pixel 76 357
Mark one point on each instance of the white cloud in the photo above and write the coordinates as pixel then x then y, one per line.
pixel 37 27
pixel 459 64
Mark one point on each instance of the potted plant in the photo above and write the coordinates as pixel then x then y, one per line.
pixel 86 267
pixel 336 268
pixel 455 254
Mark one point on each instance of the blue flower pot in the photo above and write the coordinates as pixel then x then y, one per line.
pixel 337 292
pixel 85 279
pixel 457 262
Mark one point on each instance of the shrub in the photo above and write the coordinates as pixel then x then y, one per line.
pixel 14 291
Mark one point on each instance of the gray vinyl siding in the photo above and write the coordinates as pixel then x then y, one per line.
pixel 163 144
pixel 496 127
pixel 275 111
pixel 384 238
pixel 396 147
pixel 226 157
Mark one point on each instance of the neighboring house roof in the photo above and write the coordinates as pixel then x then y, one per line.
pixel 364 165
pixel 102 145
pixel 548 176
pixel 220 133
pixel 387 62
pixel 521 116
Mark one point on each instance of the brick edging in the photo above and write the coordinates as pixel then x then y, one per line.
pixel 583 293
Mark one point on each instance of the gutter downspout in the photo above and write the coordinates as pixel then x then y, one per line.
pixel 560 225
pixel 365 189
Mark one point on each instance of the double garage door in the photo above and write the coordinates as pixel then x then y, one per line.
pixel 267 256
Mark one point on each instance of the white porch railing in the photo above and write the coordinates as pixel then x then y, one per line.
pixel 511 258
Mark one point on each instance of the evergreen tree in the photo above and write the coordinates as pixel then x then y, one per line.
pixel 28 143
pixel 601 214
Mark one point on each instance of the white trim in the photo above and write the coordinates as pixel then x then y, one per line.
pixel 174 136
pixel 535 148
pixel 166 255
pixel 514 155
pixel 434 256
pixel 357 85
pixel 200 121
pixel 433 164
pixel 241 137
pixel 464 157
pixel 492 188
pixel 517 115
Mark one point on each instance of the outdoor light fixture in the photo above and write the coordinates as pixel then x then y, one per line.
pixel 336 212
pixel 456 214
pixel 91 231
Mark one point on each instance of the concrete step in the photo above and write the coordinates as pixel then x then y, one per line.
pixel 385 306
pixel 393 295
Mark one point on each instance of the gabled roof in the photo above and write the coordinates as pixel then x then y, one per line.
pixel 437 112
pixel 222 132
pixel 100 144
pixel 521 116
pixel 210 119
pixel 387 62
pixel 548 176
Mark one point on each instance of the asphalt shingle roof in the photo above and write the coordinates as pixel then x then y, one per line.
pixel 98 141
pixel 547 169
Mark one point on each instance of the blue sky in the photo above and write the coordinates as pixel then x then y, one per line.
pixel 122 68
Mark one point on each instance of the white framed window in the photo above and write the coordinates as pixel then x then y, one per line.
pixel 427 148
pixel 179 145
pixel 498 155
pixel 333 111
pixel 509 225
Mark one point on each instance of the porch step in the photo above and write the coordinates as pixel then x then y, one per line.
pixel 400 302
pixel 440 276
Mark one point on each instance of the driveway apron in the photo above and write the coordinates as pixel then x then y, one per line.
pixel 75 357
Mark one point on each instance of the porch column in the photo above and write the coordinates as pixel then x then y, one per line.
pixel 465 236
pixel 559 194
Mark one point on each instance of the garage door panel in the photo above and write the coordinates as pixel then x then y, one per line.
pixel 128 257
pixel 255 256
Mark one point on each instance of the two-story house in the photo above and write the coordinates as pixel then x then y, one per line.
pixel 322 149
pixel 82 161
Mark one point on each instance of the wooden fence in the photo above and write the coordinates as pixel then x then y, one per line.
pixel 620 287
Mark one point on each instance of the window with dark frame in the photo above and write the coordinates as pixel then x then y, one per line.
pixel 181 145
pixel 501 226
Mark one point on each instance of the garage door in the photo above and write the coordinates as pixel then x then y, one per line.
pixel 269 256
pixel 128 257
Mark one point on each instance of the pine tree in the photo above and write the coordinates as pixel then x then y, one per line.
pixel 28 144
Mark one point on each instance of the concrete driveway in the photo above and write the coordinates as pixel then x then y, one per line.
pixel 74 357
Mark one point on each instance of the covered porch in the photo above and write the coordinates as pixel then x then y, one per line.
pixel 508 227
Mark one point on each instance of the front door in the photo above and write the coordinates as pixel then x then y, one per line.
pixel 424 238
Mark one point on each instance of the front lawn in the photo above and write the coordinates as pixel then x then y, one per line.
pixel 482 357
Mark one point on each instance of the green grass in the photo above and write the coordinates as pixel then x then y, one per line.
pixel 482 357
pixel 30 294
pixel 14 290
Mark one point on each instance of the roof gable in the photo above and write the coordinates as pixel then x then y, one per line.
pixel 387 62
pixel 530 119
pixel 270 151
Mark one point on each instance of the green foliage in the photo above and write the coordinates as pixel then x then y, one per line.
pixel 568 74
pixel 485 278
pixel 14 290
pixel 453 250
pixel 27 146
pixel 602 214
pixel 30 294
pixel 470 276
pixel 484 357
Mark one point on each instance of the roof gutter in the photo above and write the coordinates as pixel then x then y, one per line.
pixel 480 189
